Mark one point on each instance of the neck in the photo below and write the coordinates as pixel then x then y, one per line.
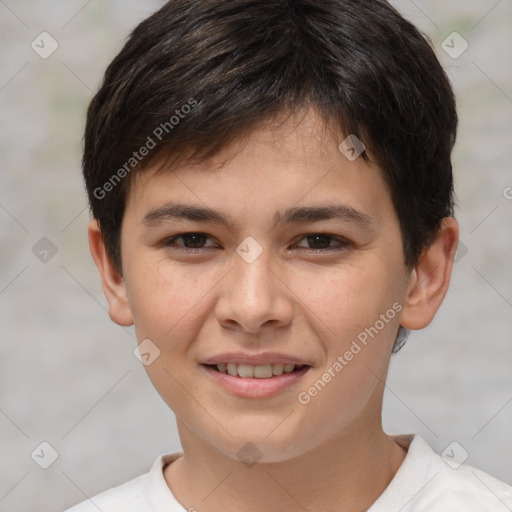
pixel 352 468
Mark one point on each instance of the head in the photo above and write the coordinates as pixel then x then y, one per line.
pixel 240 107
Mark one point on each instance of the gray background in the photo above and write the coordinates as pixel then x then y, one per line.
pixel 68 375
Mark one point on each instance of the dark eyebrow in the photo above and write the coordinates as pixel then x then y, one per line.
pixel 341 212
pixel 182 211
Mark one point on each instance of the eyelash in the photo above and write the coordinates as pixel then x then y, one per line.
pixel 343 244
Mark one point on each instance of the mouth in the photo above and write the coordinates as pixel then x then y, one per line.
pixel 264 371
pixel 256 381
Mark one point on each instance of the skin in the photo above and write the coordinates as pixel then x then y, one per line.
pixel 290 299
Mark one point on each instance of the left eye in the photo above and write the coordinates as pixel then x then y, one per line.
pixel 193 242
pixel 323 240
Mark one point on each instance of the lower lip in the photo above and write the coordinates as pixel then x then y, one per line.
pixel 254 387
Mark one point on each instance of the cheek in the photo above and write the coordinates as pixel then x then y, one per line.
pixel 169 302
pixel 349 299
pixel 158 297
pixel 357 341
pixel 356 312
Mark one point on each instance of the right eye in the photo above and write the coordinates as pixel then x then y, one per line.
pixel 192 242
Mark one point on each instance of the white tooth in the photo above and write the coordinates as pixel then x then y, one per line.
pixel 277 369
pixel 245 370
pixel 288 368
pixel 222 367
pixel 232 369
pixel 263 371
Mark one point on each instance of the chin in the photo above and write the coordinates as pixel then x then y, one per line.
pixel 256 445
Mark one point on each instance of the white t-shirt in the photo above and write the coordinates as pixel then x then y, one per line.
pixel 425 482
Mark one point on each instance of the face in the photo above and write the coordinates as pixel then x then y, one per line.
pixel 293 268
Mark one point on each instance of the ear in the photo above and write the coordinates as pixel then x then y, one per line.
pixel 428 282
pixel 113 284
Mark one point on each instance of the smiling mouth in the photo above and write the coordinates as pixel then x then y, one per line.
pixel 264 371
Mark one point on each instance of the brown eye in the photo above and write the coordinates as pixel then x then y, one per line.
pixel 321 242
pixel 191 242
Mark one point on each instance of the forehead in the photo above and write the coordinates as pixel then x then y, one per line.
pixel 284 162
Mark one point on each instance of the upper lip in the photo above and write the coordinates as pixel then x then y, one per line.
pixel 256 359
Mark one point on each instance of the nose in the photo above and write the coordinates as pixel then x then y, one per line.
pixel 254 296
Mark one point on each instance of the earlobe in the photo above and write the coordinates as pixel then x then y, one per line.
pixel 429 280
pixel 114 286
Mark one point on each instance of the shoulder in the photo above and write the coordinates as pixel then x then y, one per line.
pixel 136 495
pixel 466 488
pixel 442 484
pixel 127 497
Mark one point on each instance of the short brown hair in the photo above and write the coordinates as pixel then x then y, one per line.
pixel 201 72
